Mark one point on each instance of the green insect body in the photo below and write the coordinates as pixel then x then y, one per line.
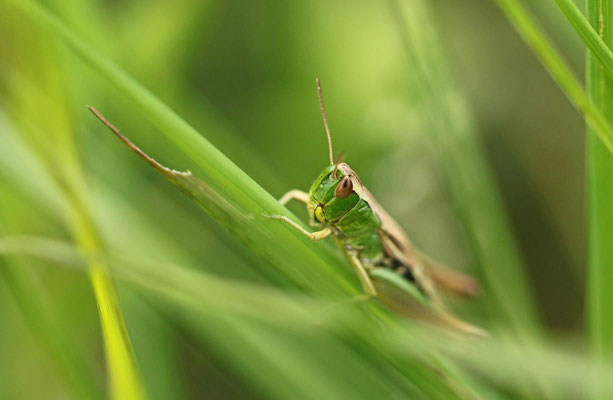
pixel 355 224
pixel 377 247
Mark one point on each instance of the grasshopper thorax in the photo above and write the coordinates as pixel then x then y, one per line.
pixel 332 195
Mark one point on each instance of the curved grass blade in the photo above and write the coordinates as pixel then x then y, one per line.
pixel 209 200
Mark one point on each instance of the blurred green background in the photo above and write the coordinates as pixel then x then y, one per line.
pixel 242 74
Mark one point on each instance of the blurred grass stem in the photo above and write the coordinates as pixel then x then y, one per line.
pixel 600 192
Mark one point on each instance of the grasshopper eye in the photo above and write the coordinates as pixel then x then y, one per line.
pixel 344 188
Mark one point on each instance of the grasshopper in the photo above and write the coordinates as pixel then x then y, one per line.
pixel 387 264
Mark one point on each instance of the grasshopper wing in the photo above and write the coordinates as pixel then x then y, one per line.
pixel 404 298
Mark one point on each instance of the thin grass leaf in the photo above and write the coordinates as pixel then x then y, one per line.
pixel 534 36
pixel 220 209
pixel 600 194
pixel 588 34
pixel 508 297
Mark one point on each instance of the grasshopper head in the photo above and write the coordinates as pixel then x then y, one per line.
pixel 331 195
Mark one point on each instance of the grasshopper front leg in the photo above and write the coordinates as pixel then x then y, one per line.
pixel 295 194
pixel 361 272
pixel 317 235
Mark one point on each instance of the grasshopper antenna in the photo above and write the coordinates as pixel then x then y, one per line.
pixel 323 115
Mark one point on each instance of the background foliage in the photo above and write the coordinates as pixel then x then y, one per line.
pixel 444 112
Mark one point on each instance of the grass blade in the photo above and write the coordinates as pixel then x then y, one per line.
pixel 600 193
pixel 594 42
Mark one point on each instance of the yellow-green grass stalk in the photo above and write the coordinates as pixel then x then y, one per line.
pixel 46 123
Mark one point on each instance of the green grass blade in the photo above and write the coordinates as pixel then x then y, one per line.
pixel 534 36
pixel 600 193
pixel 588 34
